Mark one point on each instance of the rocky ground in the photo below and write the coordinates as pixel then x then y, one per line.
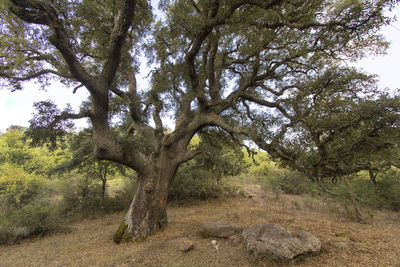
pixel 345 241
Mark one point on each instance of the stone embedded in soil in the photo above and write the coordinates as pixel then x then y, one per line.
pixel 219 229
pixel 340 245
pixel 186 245
pixel 183 244
pixel 273 241
pixel 236 239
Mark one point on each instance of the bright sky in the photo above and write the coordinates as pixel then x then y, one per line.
pixel 16 108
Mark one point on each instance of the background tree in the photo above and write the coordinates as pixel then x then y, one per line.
pixel 83 161
pixel 250 67
pixel 15 151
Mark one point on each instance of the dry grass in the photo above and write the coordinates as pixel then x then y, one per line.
pixel 372 243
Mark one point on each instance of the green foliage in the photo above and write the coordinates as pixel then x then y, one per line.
pixel 192 183
pixel 88 21
pixel 24 207
pixel 285 60
pixel 124 194
pixel 35 218
pixel 343 136
pixel 385 195
pixel 30 204
pixel 268 71
pixel 83 162
pixel 262 165
pixel 18 188
pixel 12 148
pixel 46 129
pixel 271 175
pixel 200 178
pixel 293 182
pixel 15 149
pixel 388 189
pixel 82 195
pixel 354 190
pixel 219 153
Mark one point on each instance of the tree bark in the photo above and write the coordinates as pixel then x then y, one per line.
pixel 103 169
pixel 372 176
pixel 103 188
pixel 147 212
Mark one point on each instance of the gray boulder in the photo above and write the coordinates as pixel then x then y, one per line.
pixel 275 242
pixel 219 229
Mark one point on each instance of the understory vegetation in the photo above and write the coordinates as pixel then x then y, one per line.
pixel 42 190
pixel 356 189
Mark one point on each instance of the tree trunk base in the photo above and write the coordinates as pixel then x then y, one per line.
pixel 120 234
pixel 146 228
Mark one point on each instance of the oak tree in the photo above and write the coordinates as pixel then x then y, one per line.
pixel 257 69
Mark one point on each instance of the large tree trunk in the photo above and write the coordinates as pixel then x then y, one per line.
pixel 147 212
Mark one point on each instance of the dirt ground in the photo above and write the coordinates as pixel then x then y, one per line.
pixel 375 241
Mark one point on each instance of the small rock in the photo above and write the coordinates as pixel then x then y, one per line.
pixel 214 242
pixel 186 246
pixel 219 229
pixel 271 240
pixel 236 239
pixel 183 244
pixel 340 245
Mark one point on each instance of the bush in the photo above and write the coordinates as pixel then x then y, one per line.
pixel 193 183
pixel 262 165
pixel 35 218
pixel 25 206
pixel 292 182
pixel 388 189
pixel 18 188
pixel 355 188
pixel 81 194
pixel 123 197
pixel 278 179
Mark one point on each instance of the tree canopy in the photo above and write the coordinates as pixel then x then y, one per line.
pixel 269 71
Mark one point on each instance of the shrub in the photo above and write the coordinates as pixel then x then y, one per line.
pixel 35 218
pixel 388 188
pixel 123 197
pixel 81 194
pixel 25 206
pixel 293 182
pixel 17 188
pixel 193 183
pixel 262 165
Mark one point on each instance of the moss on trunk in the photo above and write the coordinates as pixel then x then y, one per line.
pixel 119 234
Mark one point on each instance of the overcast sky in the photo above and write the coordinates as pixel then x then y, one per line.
pixel 16 108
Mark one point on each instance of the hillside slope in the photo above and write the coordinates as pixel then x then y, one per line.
pixel 373 242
